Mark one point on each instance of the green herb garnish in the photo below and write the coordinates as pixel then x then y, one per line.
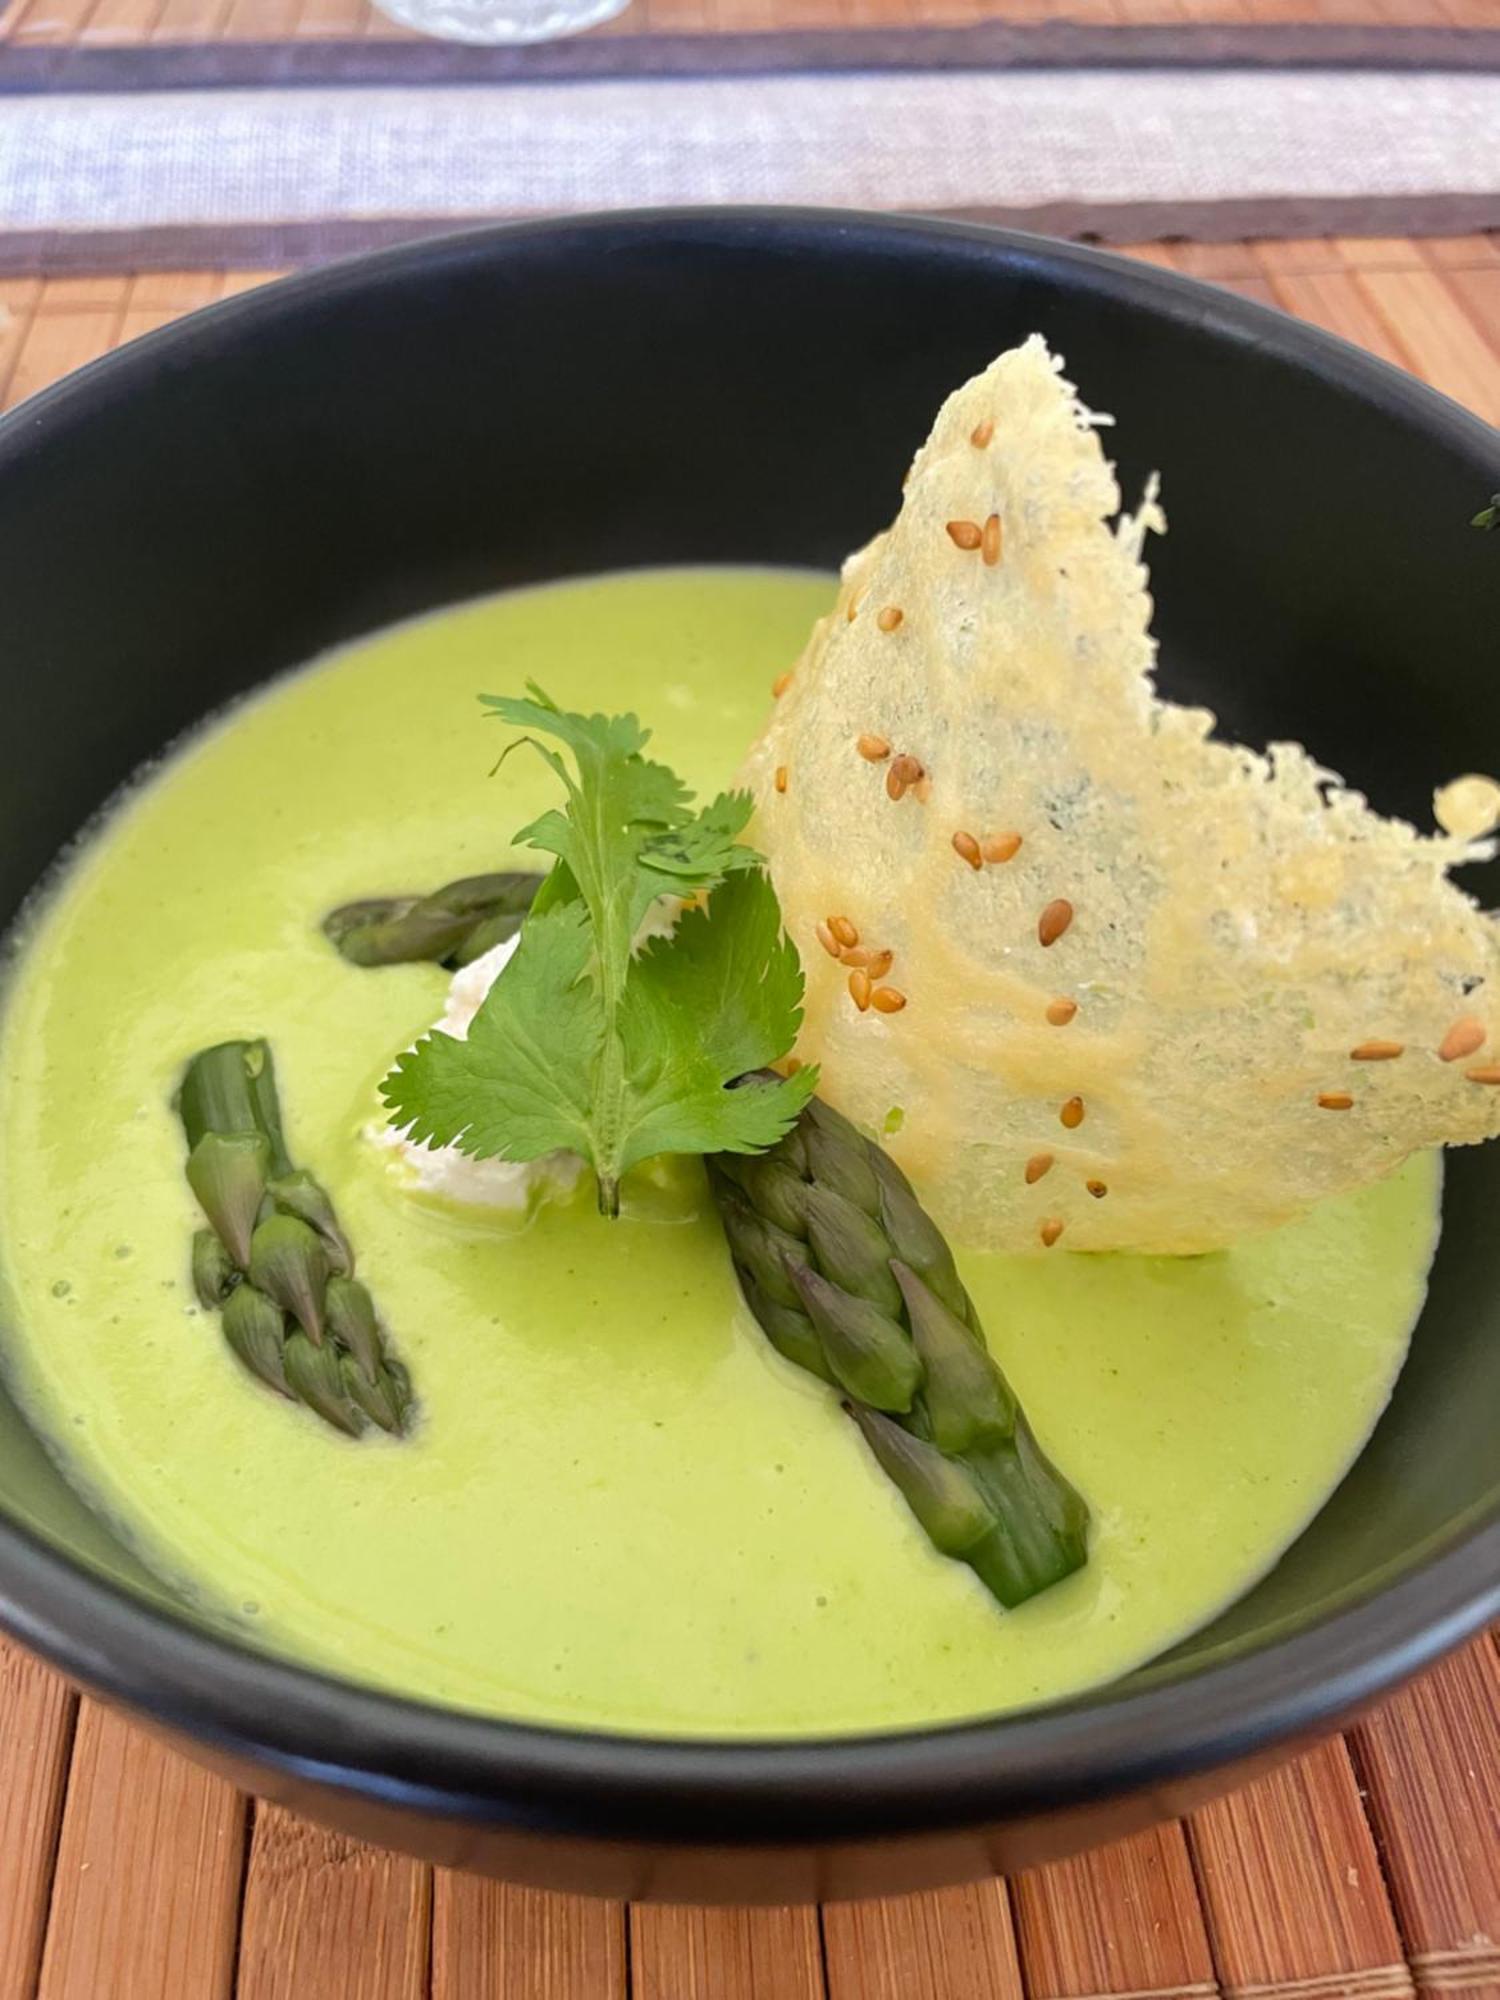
pixel 585 1043
pixel 1488 518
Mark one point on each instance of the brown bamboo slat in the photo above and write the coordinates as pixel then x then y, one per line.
pixel 59 337
pixel 1444 344
pixel 1291 1884
pixel 325 1915
pixel 1477 290
pixel 36 1742
pixel 1431 1766
pixel 233 282
pixel 1218 262
pixel 260 20
pixel 1229 265
pixel 173 291
pixel 937 1946
pixel 1279 255
pixel 119 23
pixel 51 21
pixel 15 324
pixel 1333 299
pixel 688 1954
pixel 332 18
pixel 102 292
pixel 1460 253
pixel 1124 1920
pixel 1377 253
pixel 146 1897
pixel 190 20
pixel 493 1942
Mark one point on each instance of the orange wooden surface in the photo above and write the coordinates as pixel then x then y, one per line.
pixel 1121 1920
pixel 119 23
pixel 322 1914
pixel 146 1888
pixel 929 1947
pixel 686 1954
pixel 1366 1871
pixel 513 1944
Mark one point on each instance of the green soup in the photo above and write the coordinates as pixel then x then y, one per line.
pixel 620 1508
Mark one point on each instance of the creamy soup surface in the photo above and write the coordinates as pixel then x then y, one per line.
pixel 620 1507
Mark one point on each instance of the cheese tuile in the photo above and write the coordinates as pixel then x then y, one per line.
pixel 1231 926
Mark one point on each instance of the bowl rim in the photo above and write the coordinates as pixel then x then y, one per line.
pixel 1109 1741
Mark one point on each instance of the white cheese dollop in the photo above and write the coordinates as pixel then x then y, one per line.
pixel 443 1170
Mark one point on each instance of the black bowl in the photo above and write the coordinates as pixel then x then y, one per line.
pixel 280 473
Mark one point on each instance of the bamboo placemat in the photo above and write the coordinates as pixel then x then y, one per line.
pixel 155 44
pixel 1368 1870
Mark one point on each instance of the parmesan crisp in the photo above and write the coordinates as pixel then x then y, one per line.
pixel 1144 990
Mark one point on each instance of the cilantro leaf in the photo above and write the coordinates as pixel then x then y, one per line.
pixel 522 1084
pixel 704 1006
pixel 628 833
pixel 583 1043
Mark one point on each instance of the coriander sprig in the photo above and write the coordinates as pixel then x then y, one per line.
pixel 585 1043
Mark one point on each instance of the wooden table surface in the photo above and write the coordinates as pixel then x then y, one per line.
pixel 1370 1869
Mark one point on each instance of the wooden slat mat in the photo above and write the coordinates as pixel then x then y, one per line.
pixel 158 44
pixel 1368 1870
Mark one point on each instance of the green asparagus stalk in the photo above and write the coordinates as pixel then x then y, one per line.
pixel 274 1263
pixel 850 1279
pixel 453 926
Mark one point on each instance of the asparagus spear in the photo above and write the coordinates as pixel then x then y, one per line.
pixel 452 926
pixel 851 1279
pixel 274 1262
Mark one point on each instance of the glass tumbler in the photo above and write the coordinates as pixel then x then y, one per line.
pixel 497 21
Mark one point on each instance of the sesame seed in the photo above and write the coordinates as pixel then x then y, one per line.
pixel 1097 1189
pixel 966 847
pixel 1036 1166
pixel 1376 1050
pixel 1072 1113
pixel 857 955
pixel 1061 1011
pixel 828 941
pixel 1335 1100
pixel 844 931
pixel 780 685
pixel 781 777
pixel 905 772
pixel 1462 1039
pixel 1001 846
pixel 880 964
pixel 874 749
pixel 922 789
pixel 1054 920
pixel 887 1000
pixel 890 618
pixel 990 539
pixel 965 534
pixel 853 612
pixel 859 988
pixel 1050 1230
pixel 982 432
pixel 1486 1073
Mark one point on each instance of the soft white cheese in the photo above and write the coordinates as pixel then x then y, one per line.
pixel 443 1170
